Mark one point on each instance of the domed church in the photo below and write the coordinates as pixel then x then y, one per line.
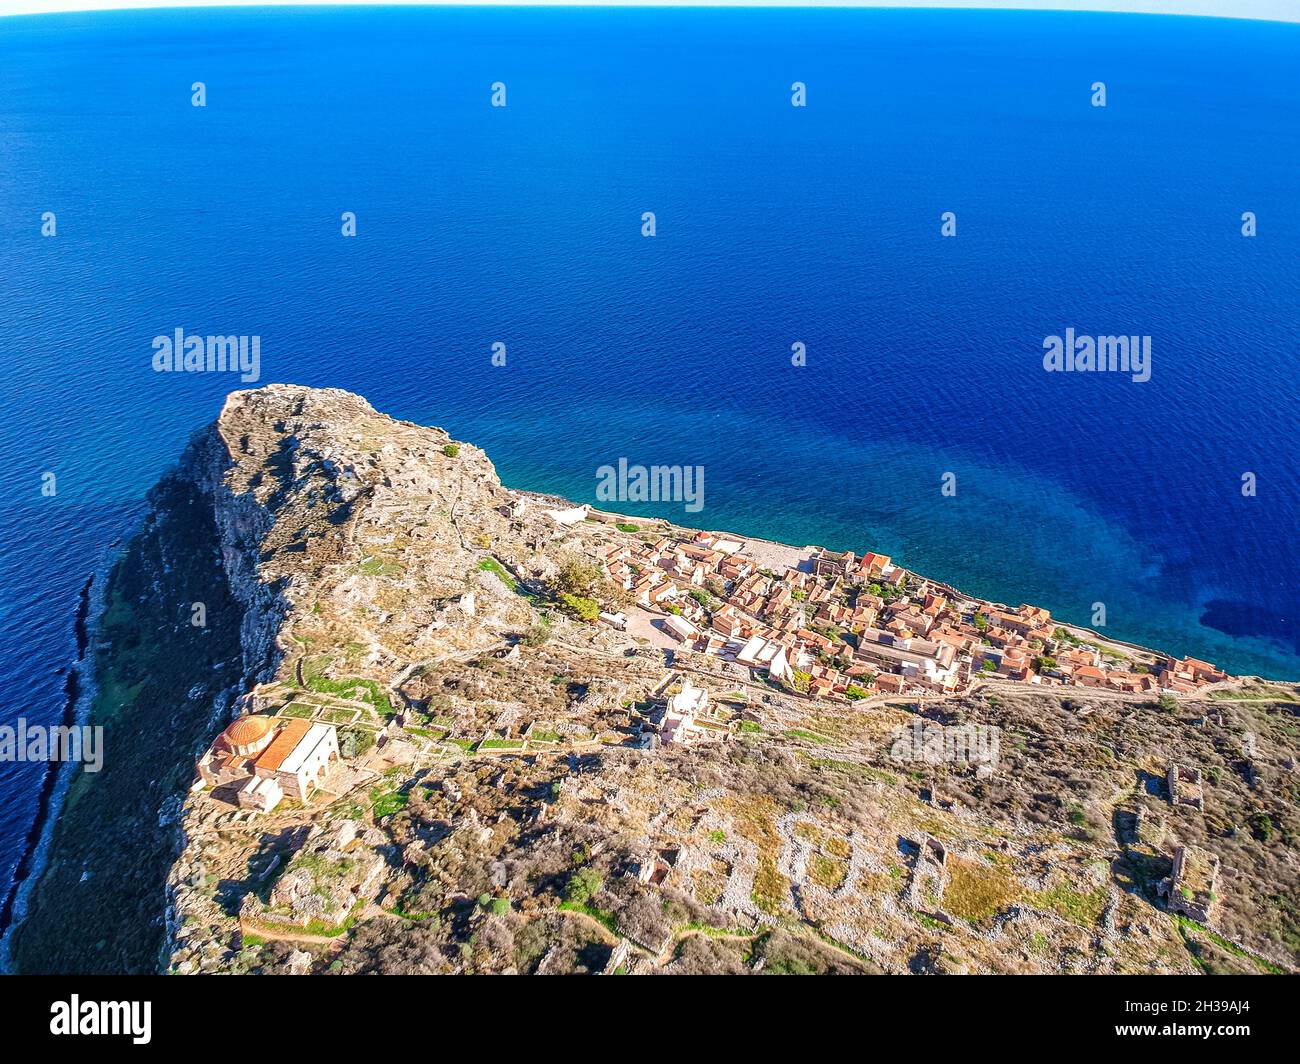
pixel 267 757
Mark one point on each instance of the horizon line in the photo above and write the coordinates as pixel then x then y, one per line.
pixel 1237 10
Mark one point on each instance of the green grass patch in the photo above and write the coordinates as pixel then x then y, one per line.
pixel 350 687
pixel 1080 907
pixel 1257 693
pixel 807 736
pixel 491 565
pixel 1186 924
pixel 380 567
pixel 388 802
pixel 605 918
pixel 854 770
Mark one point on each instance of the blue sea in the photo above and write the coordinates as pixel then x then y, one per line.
pixel 775 225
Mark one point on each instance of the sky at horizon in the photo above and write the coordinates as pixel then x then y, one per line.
pixel 1271 10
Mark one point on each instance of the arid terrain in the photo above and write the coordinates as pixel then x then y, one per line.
pixel 508 799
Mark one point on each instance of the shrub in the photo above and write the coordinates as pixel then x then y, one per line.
pixel 538 634
pixel 451 450
pixel 583 885
pixel 585 609
pixel 353 742
pixel 1261 826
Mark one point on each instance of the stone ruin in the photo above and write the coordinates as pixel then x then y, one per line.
pixel 1190 888
pixel 1185 786
pixel 929 874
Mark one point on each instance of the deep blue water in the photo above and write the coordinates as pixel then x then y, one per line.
pixel 775 225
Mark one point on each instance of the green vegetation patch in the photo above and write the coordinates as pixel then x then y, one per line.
pixel 807 736
pixel 350 687
pixel 1077 906
pixel 491 565
pixel 1257 693
pixel 975 892
pixel 375 566
pixel 386 802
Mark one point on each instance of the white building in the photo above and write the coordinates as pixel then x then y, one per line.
pixel 687 718
pixel 680 628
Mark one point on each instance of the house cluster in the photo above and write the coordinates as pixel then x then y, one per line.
pixel 844 626
pixel 265 758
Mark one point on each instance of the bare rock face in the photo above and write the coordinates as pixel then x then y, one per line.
pixel 325 505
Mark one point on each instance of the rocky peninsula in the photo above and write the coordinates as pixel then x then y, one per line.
pixel 549 760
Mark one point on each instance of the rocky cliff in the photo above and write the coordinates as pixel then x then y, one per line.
pixel 499 808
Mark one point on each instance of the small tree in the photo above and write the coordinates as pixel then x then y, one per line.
pixel 702 597
pixel 583 885
pixel 577 576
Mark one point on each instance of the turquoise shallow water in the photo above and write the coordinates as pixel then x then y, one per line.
pixel 775 225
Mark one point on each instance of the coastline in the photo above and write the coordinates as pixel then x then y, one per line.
pixel 80 690
pixel 782 553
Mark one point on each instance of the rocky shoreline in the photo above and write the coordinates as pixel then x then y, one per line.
pixel 79 693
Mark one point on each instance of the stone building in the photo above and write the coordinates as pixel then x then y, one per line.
pixel 689 719
pixel 266 758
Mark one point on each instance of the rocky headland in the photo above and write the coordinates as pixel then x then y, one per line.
pixel 505 801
